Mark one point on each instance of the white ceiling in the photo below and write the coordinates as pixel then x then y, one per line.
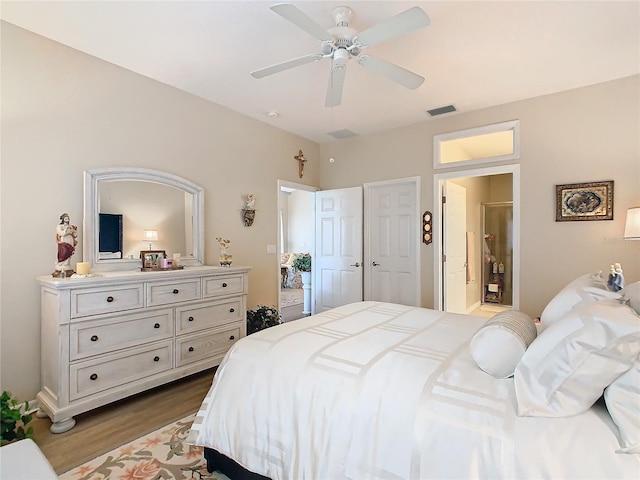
pixel 475 54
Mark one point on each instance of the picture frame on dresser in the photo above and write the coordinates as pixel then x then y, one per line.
pixel 151 259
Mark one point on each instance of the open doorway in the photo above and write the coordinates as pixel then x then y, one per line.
pixel 482 186
pixel 296 236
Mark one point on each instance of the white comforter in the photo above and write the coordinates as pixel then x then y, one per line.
pixel 378 390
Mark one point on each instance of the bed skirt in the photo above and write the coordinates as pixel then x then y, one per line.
pixel 218 461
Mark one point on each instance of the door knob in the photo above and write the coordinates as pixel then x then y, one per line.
pixel 357 264
pixel 375 264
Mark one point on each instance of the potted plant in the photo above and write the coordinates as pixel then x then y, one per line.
pixel 302 263
pixel 13 422
pixel 262 317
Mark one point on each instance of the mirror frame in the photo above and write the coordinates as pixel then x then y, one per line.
pixel 91 222
pixel 512 126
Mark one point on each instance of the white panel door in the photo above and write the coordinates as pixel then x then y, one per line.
pixel 392 241
pixel 337 266
pixel 455 248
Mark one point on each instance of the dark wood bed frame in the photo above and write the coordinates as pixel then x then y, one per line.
pixel 232 469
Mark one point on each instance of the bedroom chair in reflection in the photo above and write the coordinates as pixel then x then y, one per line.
pixel 150 236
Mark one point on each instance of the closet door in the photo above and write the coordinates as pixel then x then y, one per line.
pixel 392 240
pixel 337 269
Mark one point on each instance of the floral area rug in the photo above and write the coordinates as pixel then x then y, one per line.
pixel 162 454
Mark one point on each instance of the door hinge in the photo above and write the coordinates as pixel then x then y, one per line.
pixel 444 199
pixel 444 258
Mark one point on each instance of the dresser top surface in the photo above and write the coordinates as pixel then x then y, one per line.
pixel 101 278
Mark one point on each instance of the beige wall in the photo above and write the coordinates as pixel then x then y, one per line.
pixel 582 135
pixel 64 112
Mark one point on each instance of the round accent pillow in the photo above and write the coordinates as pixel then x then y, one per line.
pixel 500 344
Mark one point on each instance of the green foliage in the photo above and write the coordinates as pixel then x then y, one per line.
pixel 302 263
pixel 13 423
pixel 261 318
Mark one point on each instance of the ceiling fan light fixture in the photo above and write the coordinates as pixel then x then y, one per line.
pixel 340 57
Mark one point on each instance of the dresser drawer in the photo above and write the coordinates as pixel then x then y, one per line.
pixel 205 345
pixel 163 293
pixel 92 376
pixel 218 286
pixel 107 335
pixel 198 317
pixel 93 301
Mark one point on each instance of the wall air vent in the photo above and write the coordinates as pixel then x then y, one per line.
pixel 441 110
pixel 342 134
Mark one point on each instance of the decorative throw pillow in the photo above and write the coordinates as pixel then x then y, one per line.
pixel 292 257
pixel 499 345
pixel 631 294
pixel 623 402
pixel 584 289
pixel 566 369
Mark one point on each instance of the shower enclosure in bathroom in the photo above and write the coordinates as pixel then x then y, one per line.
pixel 497 258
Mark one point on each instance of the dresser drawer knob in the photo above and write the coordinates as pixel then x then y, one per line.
pixel 157 325
pixel 94 338
pixel 191 349
pixel 175 291
pixel 156 359
pixel 232 337
pixel 109 299
pixel 232 310
pixel 94 376
pixel 224 285
pixel 191 319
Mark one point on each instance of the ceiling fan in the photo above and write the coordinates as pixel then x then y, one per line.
pixel 342 43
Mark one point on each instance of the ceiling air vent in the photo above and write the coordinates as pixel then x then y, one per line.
pixel 441 110
pixel 342 134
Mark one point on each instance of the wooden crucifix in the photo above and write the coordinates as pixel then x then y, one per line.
pixel 301 161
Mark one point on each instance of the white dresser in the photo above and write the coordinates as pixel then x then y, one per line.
pixel 116 334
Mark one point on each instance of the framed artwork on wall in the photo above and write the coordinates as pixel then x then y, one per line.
pixel 584 201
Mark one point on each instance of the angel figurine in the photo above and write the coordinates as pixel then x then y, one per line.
pixel 251 202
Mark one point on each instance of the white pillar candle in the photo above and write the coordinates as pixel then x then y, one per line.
pixel 176 259
pixel 82 268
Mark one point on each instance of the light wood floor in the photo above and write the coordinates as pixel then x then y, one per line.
pixel 103 429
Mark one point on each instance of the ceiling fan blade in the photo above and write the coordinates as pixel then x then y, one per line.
pixel 392 72
pixel 336 84
pixel 404 22
pixel 298 18
pixel 279 67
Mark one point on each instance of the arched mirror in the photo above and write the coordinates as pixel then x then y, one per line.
pixel 128 210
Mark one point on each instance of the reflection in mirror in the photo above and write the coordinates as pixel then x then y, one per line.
pixel 490 143
pixel 145 206
pixel 123 205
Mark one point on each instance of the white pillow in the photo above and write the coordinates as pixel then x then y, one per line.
pixel 499 345
pixel 623 402
pixel 631 293
pixel 584 289
pixel 566 369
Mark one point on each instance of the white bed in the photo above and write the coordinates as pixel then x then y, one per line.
pixel 378 390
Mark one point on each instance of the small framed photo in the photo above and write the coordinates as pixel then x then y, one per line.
pixel 584 201
pixel 152 259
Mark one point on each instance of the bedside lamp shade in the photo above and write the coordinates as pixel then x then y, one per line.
pixel 632 227
pixel 150 236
